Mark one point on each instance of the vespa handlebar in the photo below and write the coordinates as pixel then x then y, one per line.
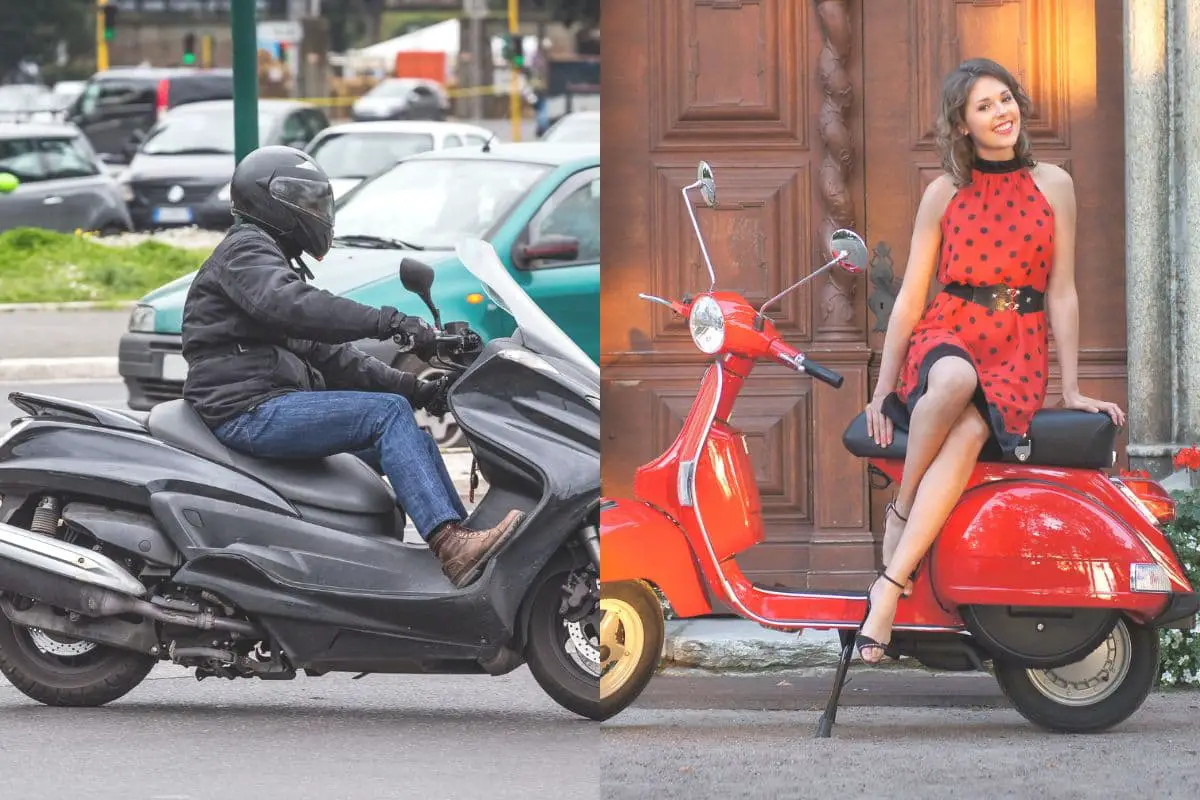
pixel 786 354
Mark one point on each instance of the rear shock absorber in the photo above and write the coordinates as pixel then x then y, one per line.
pixel 45 517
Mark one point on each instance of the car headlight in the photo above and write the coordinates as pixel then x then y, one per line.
pixel 223 194
pixel 707 325
pixel 126 188
pixel 142 319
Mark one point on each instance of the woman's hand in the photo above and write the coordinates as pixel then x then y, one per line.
pixel 1078 401
pixel 879 427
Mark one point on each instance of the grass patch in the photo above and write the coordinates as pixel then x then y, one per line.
pixel 40 266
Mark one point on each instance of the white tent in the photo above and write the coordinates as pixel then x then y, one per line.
pixel 444 37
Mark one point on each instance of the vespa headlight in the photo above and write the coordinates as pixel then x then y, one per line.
pixel 142 319
pixel 707 325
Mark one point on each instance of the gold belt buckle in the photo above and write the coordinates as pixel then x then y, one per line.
pixel 1007 301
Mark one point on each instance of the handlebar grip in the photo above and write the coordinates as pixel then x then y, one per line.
pixel 822 374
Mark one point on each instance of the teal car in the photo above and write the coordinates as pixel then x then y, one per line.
pixel 537 203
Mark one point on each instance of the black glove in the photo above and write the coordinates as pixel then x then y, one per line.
pixel 433 396
pixel 414 331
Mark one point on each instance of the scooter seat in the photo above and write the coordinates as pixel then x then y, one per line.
pixel 1058 437
pixel 341 482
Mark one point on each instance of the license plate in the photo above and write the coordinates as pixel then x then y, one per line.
pixel 174 368
pixel 169 214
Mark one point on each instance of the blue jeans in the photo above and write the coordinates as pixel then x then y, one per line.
pixel 377 427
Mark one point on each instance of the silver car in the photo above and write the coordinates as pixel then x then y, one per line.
pixel 62 184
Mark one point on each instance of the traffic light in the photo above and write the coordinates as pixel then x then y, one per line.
pixel 514 51
pixel 189 49
pixel 110 22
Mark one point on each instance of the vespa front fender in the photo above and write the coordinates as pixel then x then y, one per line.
pixel 639 542
pixel 1040 544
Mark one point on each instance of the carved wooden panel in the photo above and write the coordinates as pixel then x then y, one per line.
pixel 757 238
pixel 725 73
pixel 1032 46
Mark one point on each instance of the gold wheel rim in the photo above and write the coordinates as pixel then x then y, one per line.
pixel 622 639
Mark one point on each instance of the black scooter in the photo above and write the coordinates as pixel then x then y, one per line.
pixel 127 539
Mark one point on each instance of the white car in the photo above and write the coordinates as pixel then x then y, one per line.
pixel 353 151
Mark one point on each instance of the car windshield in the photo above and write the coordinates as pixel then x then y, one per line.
pixel 575 129
pixel 436 202
pixel 193 132
pixel 539 331
pixel 357 155
pixel 391 89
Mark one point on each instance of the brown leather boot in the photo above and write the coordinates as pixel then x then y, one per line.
pixel 464 553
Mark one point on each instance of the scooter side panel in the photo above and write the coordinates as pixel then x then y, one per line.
pixel 638 542
pixel 1029 543
pixel 119 467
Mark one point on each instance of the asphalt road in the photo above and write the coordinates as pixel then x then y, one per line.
pixel 424 737
pixel 63 334
pixel 899 735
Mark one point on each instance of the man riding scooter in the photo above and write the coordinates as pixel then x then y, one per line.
pixel 272 373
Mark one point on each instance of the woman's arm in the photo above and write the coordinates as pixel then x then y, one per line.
pixel 910 302
pixel 1062 300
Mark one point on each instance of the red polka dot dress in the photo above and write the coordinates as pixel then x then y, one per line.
pixel 997 230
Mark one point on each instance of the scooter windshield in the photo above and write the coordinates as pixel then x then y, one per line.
pixel 538 329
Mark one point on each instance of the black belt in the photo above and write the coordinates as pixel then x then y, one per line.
pixel 1000 297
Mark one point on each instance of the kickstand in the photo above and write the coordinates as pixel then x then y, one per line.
pixel 474 483
pixel 825 724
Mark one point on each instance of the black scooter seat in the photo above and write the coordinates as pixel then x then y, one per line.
pixel 1058 437
pixel 341 482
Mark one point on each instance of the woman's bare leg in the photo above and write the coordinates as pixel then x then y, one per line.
pixel 952 383
pixel 936 497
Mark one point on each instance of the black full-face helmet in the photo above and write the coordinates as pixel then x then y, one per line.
pixel 286 192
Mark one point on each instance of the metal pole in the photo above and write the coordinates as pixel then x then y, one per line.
pixel 101 42
pixel 476 32
pixel 514 94
pixel 243 27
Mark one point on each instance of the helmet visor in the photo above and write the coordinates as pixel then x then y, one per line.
pixel 311 197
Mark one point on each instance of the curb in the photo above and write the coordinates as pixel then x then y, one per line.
pixel 738 645
pixel 84 368
pixel 76 305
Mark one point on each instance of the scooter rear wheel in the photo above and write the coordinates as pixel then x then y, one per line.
pixel 67 672
pixel 1095 693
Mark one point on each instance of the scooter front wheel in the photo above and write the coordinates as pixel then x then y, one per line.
pixel 631 642
pixel 1099 691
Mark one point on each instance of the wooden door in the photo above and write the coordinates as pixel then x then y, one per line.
pixel 816 114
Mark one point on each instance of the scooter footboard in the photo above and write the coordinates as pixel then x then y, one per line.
pixel 638 542
pixel 1045 544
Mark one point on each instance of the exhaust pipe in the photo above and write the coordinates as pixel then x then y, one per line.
pixel 77 579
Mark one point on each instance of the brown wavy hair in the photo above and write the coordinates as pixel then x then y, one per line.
pixel 957 150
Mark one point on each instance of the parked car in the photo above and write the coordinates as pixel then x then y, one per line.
pixel 353 151
pixel 62 185
pixel 578 126
pixel 181 172
pixel 119 105
pixel 538 204
pixel 402 98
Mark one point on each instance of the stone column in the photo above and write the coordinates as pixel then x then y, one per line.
pixel 1186 25
pixel 1148 234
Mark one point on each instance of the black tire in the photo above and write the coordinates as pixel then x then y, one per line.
pixel 641 599
pixel 88 680
pixel 552 666
pixel 1115 707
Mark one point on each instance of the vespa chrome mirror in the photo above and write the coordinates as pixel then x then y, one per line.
pixel 708 188
pixel 855 249
pixel 708 184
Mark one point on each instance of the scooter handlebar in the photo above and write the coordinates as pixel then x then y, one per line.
pixel 789 355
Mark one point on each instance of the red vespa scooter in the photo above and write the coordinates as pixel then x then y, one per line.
pixel 1047 567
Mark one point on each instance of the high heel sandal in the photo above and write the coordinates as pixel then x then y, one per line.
pixel 890 508
pixel 864 642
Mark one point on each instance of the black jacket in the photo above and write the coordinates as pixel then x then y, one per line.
pixel 253 330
